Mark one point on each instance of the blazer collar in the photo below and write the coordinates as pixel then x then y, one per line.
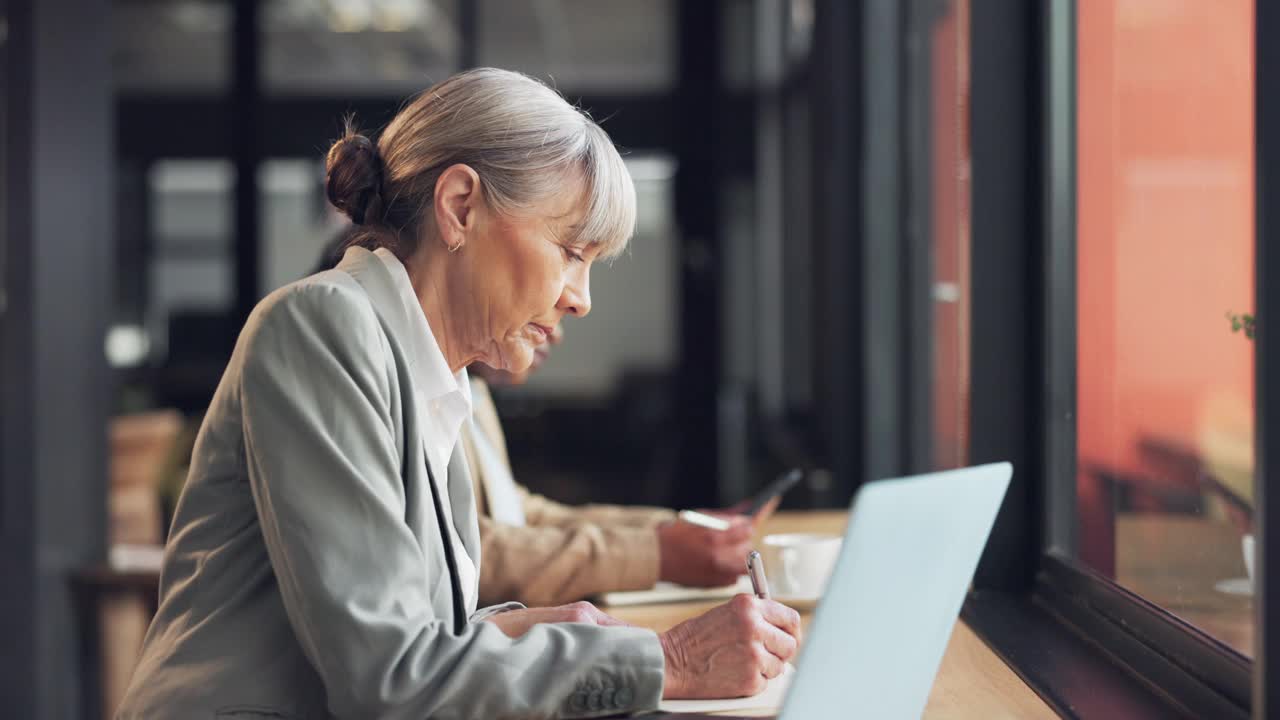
pixel 378 284
pixel 394 301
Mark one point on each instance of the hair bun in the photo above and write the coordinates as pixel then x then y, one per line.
pixel 353 177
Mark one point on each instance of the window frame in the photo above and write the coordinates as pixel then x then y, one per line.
pixel 1266 680
pixel 1054 621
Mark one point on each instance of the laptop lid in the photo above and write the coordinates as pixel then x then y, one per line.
pixel 879 634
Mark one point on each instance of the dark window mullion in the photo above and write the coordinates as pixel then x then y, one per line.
pixel 1004 411
pixel 246 113
pixel 1059 98
pixel 1266 679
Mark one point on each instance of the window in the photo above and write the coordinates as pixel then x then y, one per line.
pixel 949 143
pixel 1164 262
pixel 181 46
pixel 582 46
pixel 1113 208
pixel 935 296
pixel 388 48
pixel 190 275
pixel 1095 218
pixel 297 226
pixel 173 324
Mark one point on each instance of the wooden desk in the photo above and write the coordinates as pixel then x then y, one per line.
pixel 972 682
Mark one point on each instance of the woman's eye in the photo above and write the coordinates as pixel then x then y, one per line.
pixel 569 253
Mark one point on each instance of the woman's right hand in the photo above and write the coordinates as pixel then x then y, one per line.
pixel 730 651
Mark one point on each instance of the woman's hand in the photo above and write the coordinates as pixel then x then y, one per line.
pixel 730 651
pixel 693 555
pixel 517 622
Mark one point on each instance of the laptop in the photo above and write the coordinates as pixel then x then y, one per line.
pixel 910 550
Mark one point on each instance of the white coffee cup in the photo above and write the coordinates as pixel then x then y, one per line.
pixel 798 565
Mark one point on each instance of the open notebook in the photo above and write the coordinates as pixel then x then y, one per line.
pixel 665 592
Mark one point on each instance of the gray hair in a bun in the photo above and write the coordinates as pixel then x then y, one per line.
pixel 353 176
pixel 522 138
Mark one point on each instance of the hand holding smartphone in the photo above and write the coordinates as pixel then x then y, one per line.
pixel 780 485
pixel 747 508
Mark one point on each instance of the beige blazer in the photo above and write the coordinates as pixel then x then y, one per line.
pixel 563 553
pixel 307 575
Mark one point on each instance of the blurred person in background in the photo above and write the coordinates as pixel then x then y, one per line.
pixel 324 557
pixel 541 552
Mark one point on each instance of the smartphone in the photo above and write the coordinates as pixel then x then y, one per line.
pixel 783 483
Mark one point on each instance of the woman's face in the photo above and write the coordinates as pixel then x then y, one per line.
pixel 526 274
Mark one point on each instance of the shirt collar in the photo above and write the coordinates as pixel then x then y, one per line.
pixel 430 369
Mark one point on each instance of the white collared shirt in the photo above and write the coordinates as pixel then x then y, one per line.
pixel 444 403
pixel 505 504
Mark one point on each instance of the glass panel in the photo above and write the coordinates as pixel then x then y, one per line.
pixel 583 46
pixel 950 191
pixel 298 226
pixel 181 45
pixel 353 48
pixel 1165 255
pixel 192 276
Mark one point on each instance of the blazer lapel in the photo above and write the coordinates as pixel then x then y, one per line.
pixel 460 617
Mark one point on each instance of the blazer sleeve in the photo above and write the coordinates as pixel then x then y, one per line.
pixel 539 510
pixel 553 565
pixel 324 468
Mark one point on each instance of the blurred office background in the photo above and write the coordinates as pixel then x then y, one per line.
pixel 221 122
pixel 800 291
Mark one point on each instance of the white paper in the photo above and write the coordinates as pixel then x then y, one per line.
pixel 665 592
pixel 769 699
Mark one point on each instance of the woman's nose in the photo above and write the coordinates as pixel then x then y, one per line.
pixel 576 298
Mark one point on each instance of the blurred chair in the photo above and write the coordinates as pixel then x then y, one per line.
pixel 1173 472
pixel 140 446
pixel 1102 492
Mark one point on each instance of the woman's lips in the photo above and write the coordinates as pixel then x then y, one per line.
pixel 542 331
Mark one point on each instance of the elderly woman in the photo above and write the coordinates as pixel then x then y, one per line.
pixel 323 556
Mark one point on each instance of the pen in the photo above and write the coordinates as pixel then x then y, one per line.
pixel 755 569
pixel 693 517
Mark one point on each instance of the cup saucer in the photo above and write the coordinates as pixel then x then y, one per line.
pixel 1235 586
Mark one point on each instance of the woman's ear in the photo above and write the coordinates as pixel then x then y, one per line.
pixel 457 200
